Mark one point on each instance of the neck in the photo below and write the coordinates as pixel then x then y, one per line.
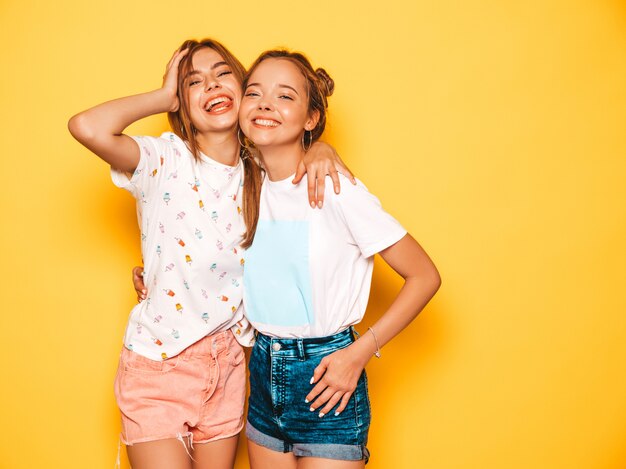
pixel 282 161
pixel 222 147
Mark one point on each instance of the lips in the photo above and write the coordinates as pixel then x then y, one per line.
pixel 265 122
pixel 218 104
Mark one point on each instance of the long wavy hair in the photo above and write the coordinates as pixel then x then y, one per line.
pixel 181 124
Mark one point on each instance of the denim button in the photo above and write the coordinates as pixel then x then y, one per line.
pixel 276 347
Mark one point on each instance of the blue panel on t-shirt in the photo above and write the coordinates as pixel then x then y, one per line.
pixel 276 274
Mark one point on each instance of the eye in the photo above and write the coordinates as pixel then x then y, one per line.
pixel 193 82
pixel 252 93
pixel 284 96
pixel 225 72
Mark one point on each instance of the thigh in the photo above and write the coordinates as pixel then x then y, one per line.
pixel 321 463
pixel 218 454
pixel 264 458
pixel 169 453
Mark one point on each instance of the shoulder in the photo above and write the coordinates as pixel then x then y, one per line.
pixel 167 142
pixel 349 193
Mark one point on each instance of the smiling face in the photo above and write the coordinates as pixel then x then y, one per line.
pixel 213 92
pixel 274 109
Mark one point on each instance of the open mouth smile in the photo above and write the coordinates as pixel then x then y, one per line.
pixel 218 104
pixel 265 122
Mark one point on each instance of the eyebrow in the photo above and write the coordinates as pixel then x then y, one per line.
pixel 280 85
pixel 213 67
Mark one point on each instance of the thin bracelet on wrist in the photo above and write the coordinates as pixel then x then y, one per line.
pixel 377 352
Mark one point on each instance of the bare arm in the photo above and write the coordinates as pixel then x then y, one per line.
pixel 338 373
pixel 100 128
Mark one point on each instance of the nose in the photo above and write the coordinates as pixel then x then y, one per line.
pixel 264 105
pixel 211 85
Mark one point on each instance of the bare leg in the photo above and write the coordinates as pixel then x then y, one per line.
pixel 218 454
pixel 264 458
pixel 161 454
pixel 320 463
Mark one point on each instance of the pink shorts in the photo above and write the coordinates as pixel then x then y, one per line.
pixel 199 393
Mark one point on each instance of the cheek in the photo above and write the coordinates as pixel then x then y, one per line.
pixel 244 122
pixel 244 109
pixel 295 116
pixel 192 97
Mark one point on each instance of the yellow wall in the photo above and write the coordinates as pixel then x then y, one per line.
pixel 494 130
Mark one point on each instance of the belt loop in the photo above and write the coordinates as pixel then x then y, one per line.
pixel 301 354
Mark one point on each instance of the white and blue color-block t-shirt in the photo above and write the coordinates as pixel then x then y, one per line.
pixel 189 215
pixel 308 271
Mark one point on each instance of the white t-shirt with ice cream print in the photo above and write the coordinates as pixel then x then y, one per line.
pixel 308 271
pixel 189 215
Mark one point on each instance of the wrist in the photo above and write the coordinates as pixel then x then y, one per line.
pixel 363 350
pixel 167 99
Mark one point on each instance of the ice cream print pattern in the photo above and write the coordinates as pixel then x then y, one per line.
pixel 191 226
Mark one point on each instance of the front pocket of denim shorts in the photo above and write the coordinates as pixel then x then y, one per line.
pixel 135 363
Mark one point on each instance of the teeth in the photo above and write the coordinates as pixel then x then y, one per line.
pixel 214 102
pixel 266 122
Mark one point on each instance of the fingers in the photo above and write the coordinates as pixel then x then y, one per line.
pixel 332 402
pixel 344 402
pixel 334 175
pixel 310 182
pixel 179 56
pixel 300 172
pixel 321 186
pixel 171 70
pixel 138 284
pixel 323 398
pixel 317 375
pixel 319 370
pixel 346 172
pixel 175 59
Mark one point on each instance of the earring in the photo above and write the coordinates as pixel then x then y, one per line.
pixel 245 151
pixel 306 147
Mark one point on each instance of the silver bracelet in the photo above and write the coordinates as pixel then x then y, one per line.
pixel 377 352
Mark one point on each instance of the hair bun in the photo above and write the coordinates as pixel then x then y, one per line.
pixel 327 82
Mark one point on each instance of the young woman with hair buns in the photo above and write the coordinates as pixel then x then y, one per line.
pixel 306 282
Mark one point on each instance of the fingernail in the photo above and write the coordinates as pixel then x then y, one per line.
pixel 337 413
pixel 312 380
pixel 319 204
pixel 321 414
pixel 336 190
pixel 312 204
pixel 311 409
pixel 306 401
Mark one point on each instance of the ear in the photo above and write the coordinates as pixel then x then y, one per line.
pixel 312 121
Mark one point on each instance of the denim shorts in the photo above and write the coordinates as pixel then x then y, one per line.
pixel 278 416
pixel 199 393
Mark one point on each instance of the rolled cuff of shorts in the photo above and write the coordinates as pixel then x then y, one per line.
pixel 311 450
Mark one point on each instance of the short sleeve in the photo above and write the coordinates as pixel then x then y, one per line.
pixel 371 227
pixel 159 158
